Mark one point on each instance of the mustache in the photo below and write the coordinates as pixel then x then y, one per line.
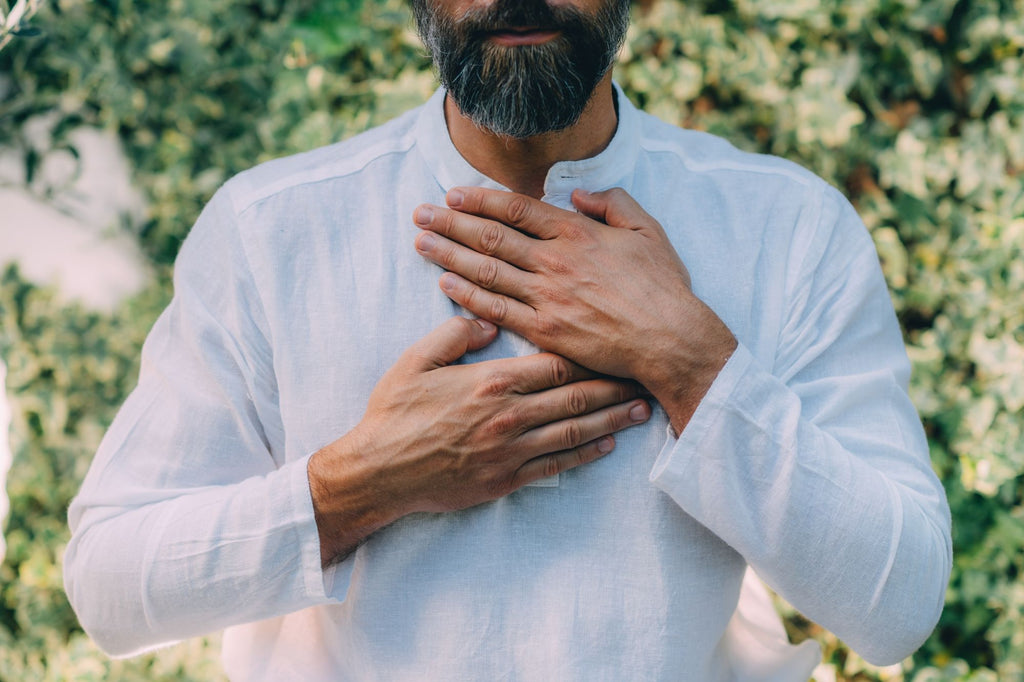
pixel 506 14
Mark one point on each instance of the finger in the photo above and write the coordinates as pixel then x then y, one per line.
pixel 572 400
pixel 515 210
pixel 531 373
pixel 555 463
pixel 484 236
pixel 490 273
pixel 447 343
pixel 502 310
pixel 614 207
pixel 569 434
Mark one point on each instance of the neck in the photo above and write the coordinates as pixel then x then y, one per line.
pixel 523 165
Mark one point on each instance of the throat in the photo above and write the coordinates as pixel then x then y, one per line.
pixel 522 165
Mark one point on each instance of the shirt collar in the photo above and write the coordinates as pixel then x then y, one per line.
pixel 613 167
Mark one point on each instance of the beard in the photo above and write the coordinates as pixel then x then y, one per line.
pixel 524 90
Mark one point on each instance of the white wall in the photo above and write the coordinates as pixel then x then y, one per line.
pixel 62 229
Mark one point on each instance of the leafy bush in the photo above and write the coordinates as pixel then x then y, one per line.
pixel 914 107
pixel 68 369
pixel 14 18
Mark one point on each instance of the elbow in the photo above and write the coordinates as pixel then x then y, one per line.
pixel 898 638
pixel 105 605
pixel 911 593
pixel 85 601
pixel 908 610
pixel 113 641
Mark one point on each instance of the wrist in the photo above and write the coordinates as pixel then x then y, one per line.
pixel 349 503
pixel 685 370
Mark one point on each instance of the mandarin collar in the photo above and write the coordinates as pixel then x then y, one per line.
pixel 612 167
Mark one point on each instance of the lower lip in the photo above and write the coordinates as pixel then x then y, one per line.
pixel 524 38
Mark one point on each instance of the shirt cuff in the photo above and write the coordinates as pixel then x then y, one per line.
pixel 679 450
pixel 322 584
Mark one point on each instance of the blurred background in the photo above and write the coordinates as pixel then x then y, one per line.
pixel 119 119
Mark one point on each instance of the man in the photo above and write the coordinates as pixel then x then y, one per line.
pixel 359 486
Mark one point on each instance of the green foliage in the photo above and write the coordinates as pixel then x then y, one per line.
pixel 914 107
pixel 14 18
pixel 200 90
pixel 68 369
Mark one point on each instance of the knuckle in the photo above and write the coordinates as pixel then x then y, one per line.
pixel 487 273
pixel 560 372
pixel 547 327
pixel 502 487
pixel 492 486
pixel 506 423
pixel 491 239
pixel 553 295
pixel 625 392
pixel 517 211
pixel 496 383
pixel 447 257
pixel 471 295
pixel 444 222
pixel 572 435
pixel 574 231
pixel 557 264
pixel 576 400
pixel 498 309
pixel 551 466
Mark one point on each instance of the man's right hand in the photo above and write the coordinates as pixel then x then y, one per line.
pixel 439 437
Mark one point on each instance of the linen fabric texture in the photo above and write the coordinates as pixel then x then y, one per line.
pixel 299 287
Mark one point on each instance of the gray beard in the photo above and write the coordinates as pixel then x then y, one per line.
pixel 524 91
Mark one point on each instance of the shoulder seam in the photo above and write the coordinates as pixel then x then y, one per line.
pixel 802 177
pixel 244 198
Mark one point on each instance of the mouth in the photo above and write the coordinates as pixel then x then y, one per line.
pixel 528 35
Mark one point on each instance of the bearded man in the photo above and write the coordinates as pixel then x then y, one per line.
pixel 325 458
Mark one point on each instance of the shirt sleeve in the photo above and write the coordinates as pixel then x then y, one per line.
pixel 816 468
pixel 189 520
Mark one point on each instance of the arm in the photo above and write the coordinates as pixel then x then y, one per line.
pixel 840 512
pixel 185 506
pixel 190 520
pixel 438 437
pixel 815 469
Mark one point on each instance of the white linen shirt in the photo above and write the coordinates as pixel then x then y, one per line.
pixel 299 287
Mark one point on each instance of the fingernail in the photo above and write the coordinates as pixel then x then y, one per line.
pixel 605 445
pixel 488 327
pixel 447 281
pixel 423 215
pixel 426 241
pixel 639 412
pixel 455 198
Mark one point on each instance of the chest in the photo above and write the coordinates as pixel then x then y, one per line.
pixel 348 294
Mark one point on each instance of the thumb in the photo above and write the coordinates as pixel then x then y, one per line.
pixel 447 343
pixel 613 207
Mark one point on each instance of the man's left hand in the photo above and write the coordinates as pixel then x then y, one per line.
pixel 603 287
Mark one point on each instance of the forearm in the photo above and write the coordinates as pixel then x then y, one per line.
pixel 349 498
pixel 195 563
pixel 853 530
pixel 677 374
